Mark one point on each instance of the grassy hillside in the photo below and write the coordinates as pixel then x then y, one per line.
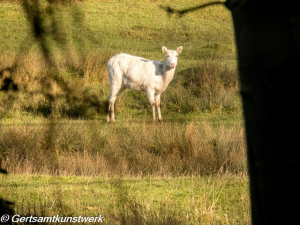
pixel 136 27
pixel 78 39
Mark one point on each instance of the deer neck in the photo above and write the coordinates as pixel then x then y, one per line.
pixel 168 74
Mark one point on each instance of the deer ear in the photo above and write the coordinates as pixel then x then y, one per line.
pixel 179 49
pixel 164 49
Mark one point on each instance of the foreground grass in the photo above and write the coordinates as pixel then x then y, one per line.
pixel 149 200
pixel 133 146
pixel 133 171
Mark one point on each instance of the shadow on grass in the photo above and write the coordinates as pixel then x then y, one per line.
pixel 78 101
pixel 46 29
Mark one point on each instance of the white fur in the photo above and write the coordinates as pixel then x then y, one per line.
pixel 132 72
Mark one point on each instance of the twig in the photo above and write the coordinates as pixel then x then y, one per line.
pixel 170 10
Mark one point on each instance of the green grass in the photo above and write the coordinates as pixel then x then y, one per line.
pixel 181 200
pixel 136 27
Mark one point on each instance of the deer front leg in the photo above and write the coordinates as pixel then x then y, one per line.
pixel 150 95
pixel 157 102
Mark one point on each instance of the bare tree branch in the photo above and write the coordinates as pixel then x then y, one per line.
pixel 170 10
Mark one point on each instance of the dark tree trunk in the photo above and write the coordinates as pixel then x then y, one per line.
pixel 268 42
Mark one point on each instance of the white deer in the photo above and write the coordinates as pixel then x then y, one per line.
pixel 132 72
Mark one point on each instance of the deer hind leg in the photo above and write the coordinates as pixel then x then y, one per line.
pixel 115 92
pixel 110 110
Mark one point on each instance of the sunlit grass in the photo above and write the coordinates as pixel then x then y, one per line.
pixel 181 200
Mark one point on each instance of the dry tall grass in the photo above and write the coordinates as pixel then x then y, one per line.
pixel 213 84
pixel 70 87
pixel 127 148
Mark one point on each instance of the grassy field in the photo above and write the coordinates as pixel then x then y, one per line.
pixel 149 200
pixel 61 155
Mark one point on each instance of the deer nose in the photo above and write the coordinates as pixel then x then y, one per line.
pixel 172 64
